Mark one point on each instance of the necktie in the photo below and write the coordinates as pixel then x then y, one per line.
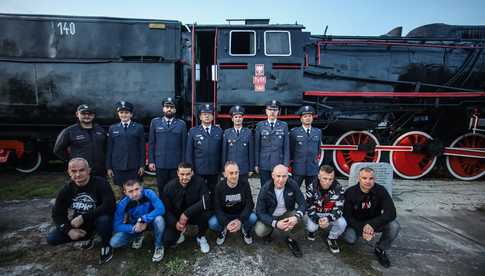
pixel 272 125
pixel 168 123
pixel 237 132
pixel 207 130
pixel 308 132
pixel 125 126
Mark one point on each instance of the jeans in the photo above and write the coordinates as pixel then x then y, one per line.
pixel 337 227
pixel 389 234
pixel 103 227
pixel 263 230
pixel 248 224
pixel 120 239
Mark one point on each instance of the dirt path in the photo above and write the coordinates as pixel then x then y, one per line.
pixel 442 233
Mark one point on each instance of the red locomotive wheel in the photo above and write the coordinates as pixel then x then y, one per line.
pixel 343 159
pixel 412 165
pixel 467 168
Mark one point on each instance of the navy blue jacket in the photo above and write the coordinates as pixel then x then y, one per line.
pixel 304 151
pixel 239 148
pixel 147 208
pixel 76 141
pixel 166 145
pixel 267 202
pixel 204 150
pixel 126 148
pixel 272 146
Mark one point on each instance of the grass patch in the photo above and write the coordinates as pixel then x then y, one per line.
pixel 39 185
pixel 46 185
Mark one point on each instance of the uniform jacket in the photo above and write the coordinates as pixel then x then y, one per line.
pixel 166 145
pixel 126 148
pixel 325 203
pixel 75 141
pixel 196 197
pixel 304 151
pixel 239 148
pixel 272 146
pixel 204 150
pixel 266 203
pixel 147 209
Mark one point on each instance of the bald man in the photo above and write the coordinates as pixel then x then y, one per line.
pixel 91 202
pixel 276 208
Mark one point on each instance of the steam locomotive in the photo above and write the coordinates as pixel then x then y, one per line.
pixel 414 101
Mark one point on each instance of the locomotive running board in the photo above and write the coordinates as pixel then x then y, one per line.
pixel 448 151
pixel 413 94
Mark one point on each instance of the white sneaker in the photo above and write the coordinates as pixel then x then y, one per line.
pixel 248 239
pixel 181 238
pixel 158 255
pixel 221 237
pixel 137 243
pixel 203 244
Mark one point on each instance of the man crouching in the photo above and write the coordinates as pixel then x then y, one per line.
pixel 276 208
pixel 91 201
pixel 142 209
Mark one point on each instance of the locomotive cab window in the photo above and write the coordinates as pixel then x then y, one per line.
pixel 242 43
pixel 277 43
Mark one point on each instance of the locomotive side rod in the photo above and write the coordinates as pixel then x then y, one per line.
pixel 448 151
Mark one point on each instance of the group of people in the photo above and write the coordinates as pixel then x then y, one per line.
pixel 191 192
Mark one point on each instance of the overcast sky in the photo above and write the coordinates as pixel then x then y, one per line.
pixel 357 17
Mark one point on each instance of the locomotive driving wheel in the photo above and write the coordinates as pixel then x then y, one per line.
pixel 467 168
pixel 413 164
pixel 29 162
pixel 366 141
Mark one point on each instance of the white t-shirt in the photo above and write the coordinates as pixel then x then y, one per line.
pixel 280 206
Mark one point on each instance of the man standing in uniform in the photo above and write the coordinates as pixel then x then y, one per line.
pixel 237 144
pixel 305 147
pixel 204 146
pixel 125 158
pixel 272 146
pixel 84 139
pixel 166 144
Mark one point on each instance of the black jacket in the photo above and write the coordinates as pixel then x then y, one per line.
pixel 233 203
pixel 75 141
pixel 267 202
pixel 90 201
pixel 375 208
pixel 196 197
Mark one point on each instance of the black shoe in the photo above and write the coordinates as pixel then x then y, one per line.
pixel 267 239
pixel 311 236
pixel 382 257
pixel 293 246
pixel 87 244
pixel 106 254
pixel 333 246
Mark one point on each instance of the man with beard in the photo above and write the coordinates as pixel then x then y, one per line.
pixel 91 202
pixel 84 139
pixel 166 144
